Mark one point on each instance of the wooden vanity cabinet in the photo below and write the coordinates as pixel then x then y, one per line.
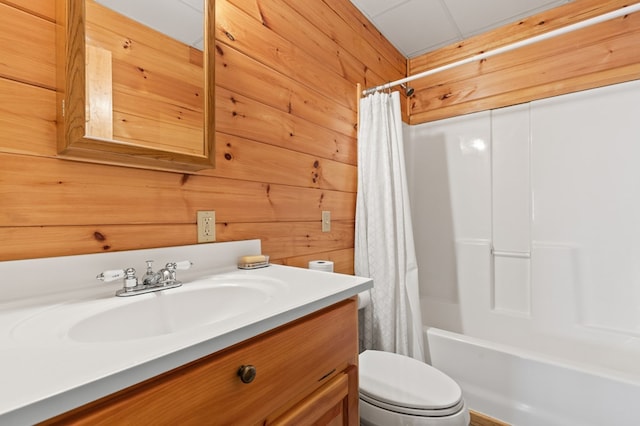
pixel 305 374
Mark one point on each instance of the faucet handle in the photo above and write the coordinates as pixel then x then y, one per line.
pixel 111 275
pixel 129 276
pixel 184 265
pixel 168 274
pixel 130 279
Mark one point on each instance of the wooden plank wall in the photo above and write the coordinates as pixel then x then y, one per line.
pixel 286 77
pixel 603 54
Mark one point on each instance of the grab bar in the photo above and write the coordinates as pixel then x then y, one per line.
pixel 517 254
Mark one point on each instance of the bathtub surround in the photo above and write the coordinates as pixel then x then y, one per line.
pixel 526 230
pixel 384 247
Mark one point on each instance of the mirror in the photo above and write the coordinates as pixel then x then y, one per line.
pixel 129 94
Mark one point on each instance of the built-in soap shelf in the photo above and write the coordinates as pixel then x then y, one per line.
pixel 507 253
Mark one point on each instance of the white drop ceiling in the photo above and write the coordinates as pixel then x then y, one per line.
pixel 415 27
pixel 182 20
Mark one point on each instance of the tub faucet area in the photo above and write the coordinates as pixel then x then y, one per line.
pixel 151 281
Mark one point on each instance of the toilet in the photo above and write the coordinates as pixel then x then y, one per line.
pixel 396 390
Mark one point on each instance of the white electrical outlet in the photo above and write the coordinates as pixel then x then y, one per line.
pixel 206 226
pixel 326 221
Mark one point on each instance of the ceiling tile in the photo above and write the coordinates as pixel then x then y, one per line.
pixel 416 26
pixel 372 8
pixel 474 17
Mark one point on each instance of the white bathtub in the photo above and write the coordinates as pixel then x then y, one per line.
pixel 529 389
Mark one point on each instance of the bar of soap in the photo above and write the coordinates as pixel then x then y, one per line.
pixel 258 258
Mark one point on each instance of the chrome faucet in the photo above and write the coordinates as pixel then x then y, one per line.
pixel 149 277
pixel 164 279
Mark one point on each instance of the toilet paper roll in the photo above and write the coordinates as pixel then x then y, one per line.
pixel 321 265
pixel 364 299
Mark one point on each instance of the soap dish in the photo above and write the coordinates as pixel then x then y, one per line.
pixel 253 262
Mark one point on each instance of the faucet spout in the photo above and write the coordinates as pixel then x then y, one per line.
pixel 149 277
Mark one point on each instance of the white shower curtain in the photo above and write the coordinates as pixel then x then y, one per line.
pixel 384 248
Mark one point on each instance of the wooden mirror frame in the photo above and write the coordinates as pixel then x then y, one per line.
pixel 73 142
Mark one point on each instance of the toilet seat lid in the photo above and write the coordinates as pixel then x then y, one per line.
pixel 405 382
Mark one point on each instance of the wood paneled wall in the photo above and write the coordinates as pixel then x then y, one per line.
pixel 286 76
pixel 602 54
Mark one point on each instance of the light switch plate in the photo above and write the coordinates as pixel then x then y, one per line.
pixel 326 221
pixel 206 226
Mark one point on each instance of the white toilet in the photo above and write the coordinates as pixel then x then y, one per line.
pixel 396 390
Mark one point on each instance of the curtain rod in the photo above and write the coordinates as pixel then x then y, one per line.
pixel 626 10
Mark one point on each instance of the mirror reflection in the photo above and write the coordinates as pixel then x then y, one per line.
pixel 144 71
pixel 136 83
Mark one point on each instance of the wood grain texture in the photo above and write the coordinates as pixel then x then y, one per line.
pixel 480 419
pixel 174 198
pixel 28 51
pixel 277 16
pixel 362 31
pixel 552 19
pixel 310 380
pixel 248 77
pixel 342 260
pixel 99 107
pixel 241 31
pixel 45 9
pixel 242 116
pixel 246 159
pixel 287 125
pixel 605 53
pixel 27 119
pixel 164 132
pixel 324 407
pixel 287 135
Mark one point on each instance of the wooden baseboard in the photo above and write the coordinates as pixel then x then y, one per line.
pixel 479 419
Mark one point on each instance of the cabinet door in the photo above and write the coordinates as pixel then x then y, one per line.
pixel 324 407
pixel 290 363
pixel 335 404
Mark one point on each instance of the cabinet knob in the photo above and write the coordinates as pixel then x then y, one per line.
pixel 247 373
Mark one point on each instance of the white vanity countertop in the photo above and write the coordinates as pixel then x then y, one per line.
pixel 45 372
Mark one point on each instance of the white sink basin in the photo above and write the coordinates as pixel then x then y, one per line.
pixel 66 340
pixel 155 314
